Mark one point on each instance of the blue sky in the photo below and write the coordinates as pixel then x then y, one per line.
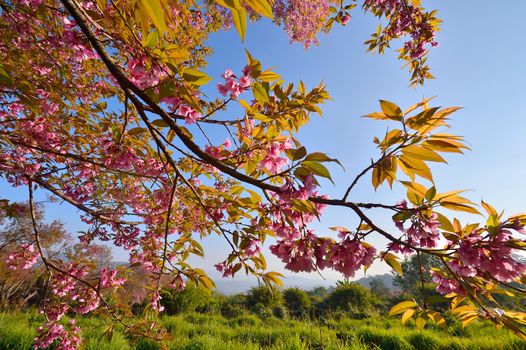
pixel 479 65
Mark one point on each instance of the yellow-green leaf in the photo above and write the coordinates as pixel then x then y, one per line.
pixel 260 6
pixel 392 260
pixel 155 12
pixel 239 17
pixel 407 315
pixel 420 323
pixel 401 307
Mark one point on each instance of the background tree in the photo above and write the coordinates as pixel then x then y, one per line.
pixel 17 288
pixel 378 288
pixel 417 270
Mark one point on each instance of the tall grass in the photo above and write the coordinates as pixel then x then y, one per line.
pixel 248 332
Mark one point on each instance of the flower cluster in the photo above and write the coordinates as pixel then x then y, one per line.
pixel 51 331
pixel 143 74
pixel 109 279
pixel 446 285
pixel 493 257
pixel 406 19
pixel 177 106
pixel 300 249
pixel 23 258
pixel 423 231
pixel 155 301
pixel 311 253
pixel 273 162
pixel 303 19
pixel 234 86
pixel 487 257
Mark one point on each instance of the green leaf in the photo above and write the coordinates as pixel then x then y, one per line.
pixel 5 78
pixel 160 123
pixel 136 131
pixel 259 92
pixel 317 168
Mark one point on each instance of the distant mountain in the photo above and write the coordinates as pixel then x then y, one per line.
pixel 386 278
pixel 235 286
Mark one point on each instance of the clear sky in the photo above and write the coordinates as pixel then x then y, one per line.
pixel 479 65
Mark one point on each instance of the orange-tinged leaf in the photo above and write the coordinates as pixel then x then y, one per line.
pixel 391 110
pixel 464 309
pixel 274 277
pixel 445 195
pixel 459 207
pixel 393 137
pixel 377 116
pixel 489 209
pixel 444 145
pixel 417 105
pixel 415 187
pixel 422 153
pixel 417 166
pixel 445 224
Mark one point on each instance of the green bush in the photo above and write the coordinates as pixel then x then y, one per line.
pixel 297 302
pixel 351 298
pixel 280 311
pixel 231 307
pixel 191 299
pixel 262 297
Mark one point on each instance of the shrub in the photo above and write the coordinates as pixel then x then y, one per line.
pixel 297 302
pixel 352 298
pixel 190 299
pixel 280 311
pixel 258 297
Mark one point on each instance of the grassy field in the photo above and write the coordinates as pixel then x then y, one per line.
pixel 211 332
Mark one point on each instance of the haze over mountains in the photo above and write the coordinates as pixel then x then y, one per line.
pixel 235 286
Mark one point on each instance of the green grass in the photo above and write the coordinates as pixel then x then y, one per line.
pixel 247 332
